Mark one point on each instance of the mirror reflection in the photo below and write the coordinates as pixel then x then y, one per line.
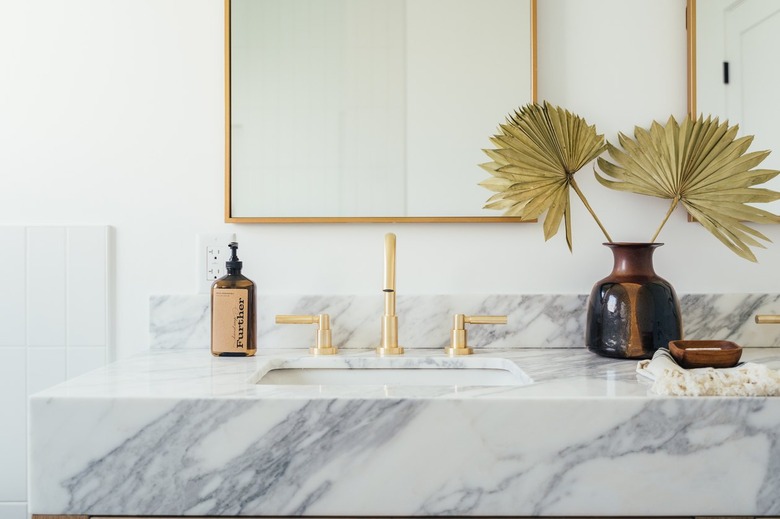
pixel 736 73
pixel 366 109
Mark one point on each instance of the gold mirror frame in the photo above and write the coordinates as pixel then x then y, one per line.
pixel 356 219
pixel 690 24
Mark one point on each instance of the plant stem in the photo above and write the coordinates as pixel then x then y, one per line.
pixel 668 214
pixel 588 207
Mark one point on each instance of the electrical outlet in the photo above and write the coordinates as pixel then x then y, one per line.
pixel 213 252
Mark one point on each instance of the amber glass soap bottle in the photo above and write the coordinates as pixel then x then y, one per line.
pixel 233 328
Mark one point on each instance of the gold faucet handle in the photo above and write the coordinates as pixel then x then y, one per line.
pixel 458 342
pixel 323 345
pixel 768 319
pixel 484 319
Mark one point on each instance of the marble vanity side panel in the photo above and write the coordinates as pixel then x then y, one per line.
pixel 425 321
pixel 449 457
pixel 60 447
pixel 659 446
pixel 205 457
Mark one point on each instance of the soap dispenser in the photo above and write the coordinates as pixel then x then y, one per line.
pixel 233 329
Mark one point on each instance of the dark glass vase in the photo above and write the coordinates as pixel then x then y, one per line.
pixel 633 311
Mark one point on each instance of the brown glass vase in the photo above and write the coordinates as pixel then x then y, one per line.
pixel 633 311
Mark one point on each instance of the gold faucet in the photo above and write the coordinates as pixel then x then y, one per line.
pixel 388 344
pixel 323 344
pixel 768 319
pixel 458 343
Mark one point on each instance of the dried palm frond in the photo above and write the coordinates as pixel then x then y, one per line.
pixel 703 165
pixel 539 150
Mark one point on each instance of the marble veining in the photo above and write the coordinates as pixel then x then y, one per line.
pixel 179 321
pixel 183 433
pixel 273 472
pixel 534 321
pixel 628 454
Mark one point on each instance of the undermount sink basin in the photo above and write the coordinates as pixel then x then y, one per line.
pixel 395 372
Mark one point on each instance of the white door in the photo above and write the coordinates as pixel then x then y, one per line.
pixel 752 37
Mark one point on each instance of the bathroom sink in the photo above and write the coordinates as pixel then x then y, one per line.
pixel 395 372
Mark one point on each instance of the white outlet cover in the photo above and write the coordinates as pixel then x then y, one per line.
pixel 212 253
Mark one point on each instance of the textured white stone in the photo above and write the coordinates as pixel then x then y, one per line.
pixel 181 432
pixel 534 321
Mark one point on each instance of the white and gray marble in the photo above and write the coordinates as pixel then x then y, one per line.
pixel 534 321
pixel 179 321
pixel 184 433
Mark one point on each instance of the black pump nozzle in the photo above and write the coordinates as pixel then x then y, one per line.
pixel 233 265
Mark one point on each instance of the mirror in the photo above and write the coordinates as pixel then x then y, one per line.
pixel 360 111
pixel 732 73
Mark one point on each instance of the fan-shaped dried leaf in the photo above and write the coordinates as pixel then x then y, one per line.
pixel 702 165
pixel 538 151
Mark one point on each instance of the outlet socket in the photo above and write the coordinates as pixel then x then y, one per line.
pixel 212 252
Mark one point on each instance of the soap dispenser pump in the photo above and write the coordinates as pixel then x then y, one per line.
pixel 233 329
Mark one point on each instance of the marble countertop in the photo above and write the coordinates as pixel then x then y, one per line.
pixel 184 433
pixel 197 374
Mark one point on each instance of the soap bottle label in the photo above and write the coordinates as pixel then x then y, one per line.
pixel 230 320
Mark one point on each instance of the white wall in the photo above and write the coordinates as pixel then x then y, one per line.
pixel 112 113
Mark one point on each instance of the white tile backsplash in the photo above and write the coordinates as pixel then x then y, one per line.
pixel 13 297
pixel 13 511
pixel 54 324
pixel 46 265
pixel 83 359
pixel 46 366
pixel 86 286
pixel 13 432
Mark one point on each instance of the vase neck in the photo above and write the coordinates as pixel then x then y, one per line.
pixel 633 259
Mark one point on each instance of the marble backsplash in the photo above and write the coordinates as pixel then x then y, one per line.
pixel 534 321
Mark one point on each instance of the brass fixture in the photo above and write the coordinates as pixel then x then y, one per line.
pixel 388 344
pixel 458 344
pixel 323 345
pixel 768 319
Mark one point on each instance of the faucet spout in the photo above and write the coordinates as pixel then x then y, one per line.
pixel 389 263
pixel 388 344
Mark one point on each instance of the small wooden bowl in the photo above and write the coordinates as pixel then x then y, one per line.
pixel 703 354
